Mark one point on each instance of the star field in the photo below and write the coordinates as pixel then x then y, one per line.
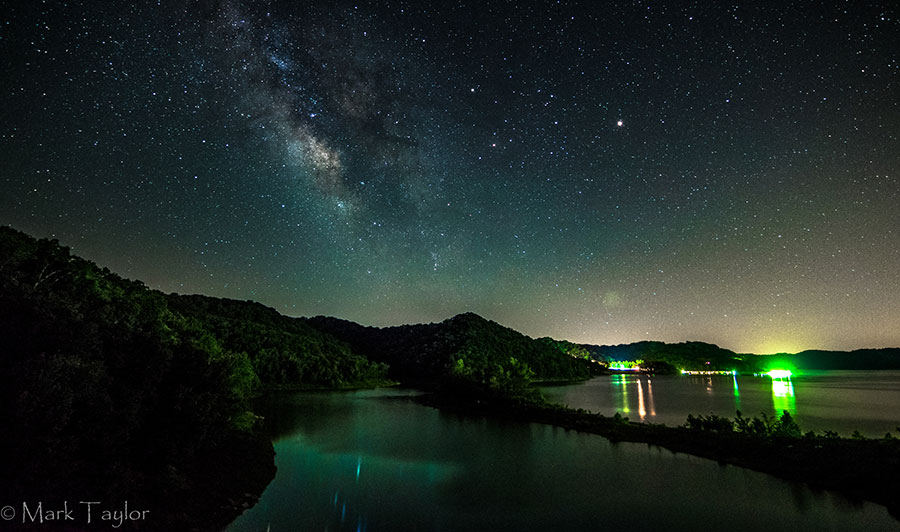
pixel 602 173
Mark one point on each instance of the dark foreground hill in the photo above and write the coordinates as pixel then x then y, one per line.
pixel 113 391
pixel 109 395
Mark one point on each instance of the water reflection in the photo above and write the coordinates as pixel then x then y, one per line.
pixel 621 381
pixel 633 394
pixel 628 389
pixel 783 396
pixel 430 470
pixel 642 412
pixel 645 400
pixel 868 401
pixel 624 395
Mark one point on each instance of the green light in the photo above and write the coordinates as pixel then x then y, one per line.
pixel 780 374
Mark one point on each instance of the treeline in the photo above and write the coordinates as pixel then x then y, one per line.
pixel 887 358
pixel 704 356
pixel 567 347
pixel 111 389
pixel 858 467
pixel 466 346
pixel 115 390
pixel 284 352
pixel 672 357
pixel 106 392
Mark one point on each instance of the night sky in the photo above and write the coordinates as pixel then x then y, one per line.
pixel 597 172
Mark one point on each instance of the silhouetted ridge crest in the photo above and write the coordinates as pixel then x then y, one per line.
pixel 284 351
pixel 430 351
pixel 696 355
pixel 113 394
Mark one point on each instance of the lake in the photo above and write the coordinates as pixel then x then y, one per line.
pixel 378 461
pixel 842 401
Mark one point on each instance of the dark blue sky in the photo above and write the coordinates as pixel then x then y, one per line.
pixel 597 172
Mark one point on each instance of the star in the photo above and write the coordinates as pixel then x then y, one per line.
pixel 286 128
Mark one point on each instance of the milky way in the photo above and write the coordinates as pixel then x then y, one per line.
pixel 600 172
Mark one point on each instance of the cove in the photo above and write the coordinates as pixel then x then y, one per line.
pixel 376 460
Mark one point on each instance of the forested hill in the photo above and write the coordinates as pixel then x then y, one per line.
pixel 885 358
pixel 700 355
pixel 108 394
pixel 284 351
pixel 114 388
pixel 117 391
pixel 685 355
pixel 464 345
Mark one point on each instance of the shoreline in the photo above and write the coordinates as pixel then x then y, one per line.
pixel 859 469
pixel 276 388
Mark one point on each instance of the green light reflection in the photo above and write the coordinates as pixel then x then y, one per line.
pixel 621 380
pixel 783 396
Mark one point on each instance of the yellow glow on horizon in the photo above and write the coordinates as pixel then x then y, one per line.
pixel 770 335
pixel 778 345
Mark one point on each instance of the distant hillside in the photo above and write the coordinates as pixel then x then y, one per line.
pixel 685 355
pixel 284 351
pixel 695 355
pixel 465 342
pixel 886 358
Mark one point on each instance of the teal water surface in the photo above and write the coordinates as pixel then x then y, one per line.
pixel 377 461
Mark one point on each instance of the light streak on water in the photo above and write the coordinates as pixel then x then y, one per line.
pixel 642 412
pixel 783 396
pixel 621 381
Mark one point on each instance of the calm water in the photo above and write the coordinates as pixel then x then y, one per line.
pixel 377 461
pixel 842 401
